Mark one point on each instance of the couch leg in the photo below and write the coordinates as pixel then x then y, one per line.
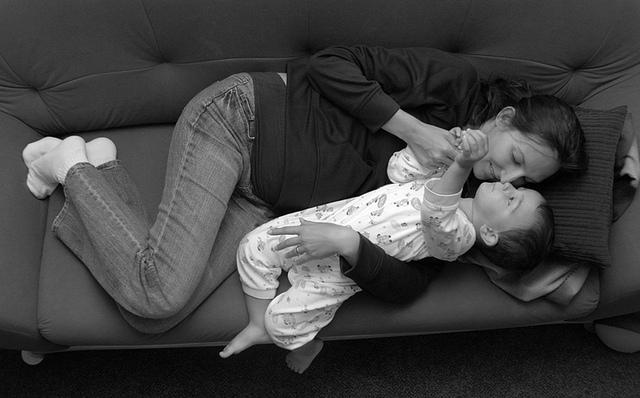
pixel 619 339
pixel 32 358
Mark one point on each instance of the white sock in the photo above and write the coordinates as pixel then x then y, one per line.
pixel 100 151
pixel 51 168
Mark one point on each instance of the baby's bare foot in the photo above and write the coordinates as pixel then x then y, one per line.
pixel 249 336
pixel 299 359
pixel 100 151
pixel 50 169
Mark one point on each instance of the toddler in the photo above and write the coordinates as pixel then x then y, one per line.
pixel 421 214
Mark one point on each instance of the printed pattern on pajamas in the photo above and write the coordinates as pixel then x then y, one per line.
pixel 318 287
pixel 389 216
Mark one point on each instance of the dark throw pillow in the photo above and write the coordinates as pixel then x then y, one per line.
pixel 582 203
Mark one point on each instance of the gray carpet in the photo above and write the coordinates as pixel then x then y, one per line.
pixel 548 361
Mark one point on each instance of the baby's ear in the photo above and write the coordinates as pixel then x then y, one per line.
pixel 488 235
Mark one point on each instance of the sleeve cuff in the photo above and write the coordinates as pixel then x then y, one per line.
pixel 378 111
pixel 368 253
pixel 445 202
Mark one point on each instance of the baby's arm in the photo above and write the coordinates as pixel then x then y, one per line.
pixel 448 231
pixel 474 146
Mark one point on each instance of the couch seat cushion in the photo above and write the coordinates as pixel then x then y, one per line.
pixel 74 310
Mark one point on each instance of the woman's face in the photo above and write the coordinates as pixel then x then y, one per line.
pixel 514 158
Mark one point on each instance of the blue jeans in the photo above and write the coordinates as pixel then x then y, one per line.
pixel 159 271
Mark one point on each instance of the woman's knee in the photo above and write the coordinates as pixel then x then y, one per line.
pixel 157 295
pixel 151 307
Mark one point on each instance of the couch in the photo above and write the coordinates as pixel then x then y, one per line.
pixel 125 69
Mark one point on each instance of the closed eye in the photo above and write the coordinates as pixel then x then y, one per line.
pixel 515 201
pixel 518 155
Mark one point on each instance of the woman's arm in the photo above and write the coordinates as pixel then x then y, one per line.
pixel 431 145
pixel 376 272
pixel 388 278
pixel 378 86
pixel 372 83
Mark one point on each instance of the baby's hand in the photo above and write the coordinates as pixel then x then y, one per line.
pixel 474 146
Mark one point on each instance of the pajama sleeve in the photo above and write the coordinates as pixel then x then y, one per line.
pixel 403 167
pixel 448 233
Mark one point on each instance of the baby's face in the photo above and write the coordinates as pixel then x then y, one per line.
pixel 504 207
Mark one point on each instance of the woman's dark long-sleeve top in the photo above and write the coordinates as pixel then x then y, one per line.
pixel 327 144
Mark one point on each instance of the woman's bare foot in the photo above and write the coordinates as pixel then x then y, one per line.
pixel 48 170
pixel 250 335
pixel 299 359
pixel 100 151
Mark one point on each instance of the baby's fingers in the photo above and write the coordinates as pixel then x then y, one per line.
pixel 456 132
pixel 469 145
pixel 477 141
pixel 465 146
pixel 477 135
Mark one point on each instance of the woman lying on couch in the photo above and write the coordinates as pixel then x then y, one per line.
pixel 252 146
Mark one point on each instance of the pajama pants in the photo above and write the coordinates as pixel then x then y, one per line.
pixel 318 287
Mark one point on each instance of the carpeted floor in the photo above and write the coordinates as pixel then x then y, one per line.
pixel 548 361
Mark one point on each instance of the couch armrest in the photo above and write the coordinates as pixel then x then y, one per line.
pixel 620 283
pixel 22 225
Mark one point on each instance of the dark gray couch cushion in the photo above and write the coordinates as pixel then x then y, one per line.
pixel 583 203
pixel 74 310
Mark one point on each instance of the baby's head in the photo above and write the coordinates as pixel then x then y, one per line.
pixel 514 227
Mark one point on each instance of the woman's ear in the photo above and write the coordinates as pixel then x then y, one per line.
pixel 488 235
pixel 505 116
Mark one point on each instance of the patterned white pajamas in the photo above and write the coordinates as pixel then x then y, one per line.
pixel 294 317
pixel 389 216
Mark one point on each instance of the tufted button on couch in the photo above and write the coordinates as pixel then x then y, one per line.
pixel 125 69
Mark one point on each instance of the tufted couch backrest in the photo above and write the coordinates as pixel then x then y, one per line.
pixel 78 65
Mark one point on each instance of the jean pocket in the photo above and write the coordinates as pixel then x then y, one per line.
pixel 249 112
pixel 237 109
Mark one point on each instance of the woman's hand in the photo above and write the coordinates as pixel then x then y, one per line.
pixel 315 240
pixel 432 146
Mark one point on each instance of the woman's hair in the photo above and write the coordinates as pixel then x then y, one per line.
pixel 494 95
pixel 545 119
pixel 523 248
